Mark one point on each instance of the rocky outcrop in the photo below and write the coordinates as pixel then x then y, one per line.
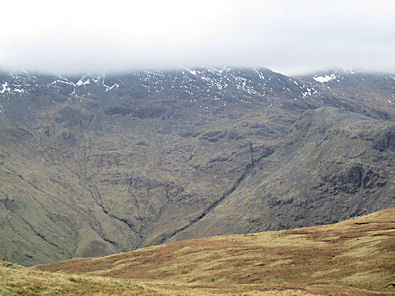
pixel 355 178
pixel 385 140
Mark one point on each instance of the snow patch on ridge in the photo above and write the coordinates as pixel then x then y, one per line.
pixel 62 81
pixel 108 88
pixel 326 78
pixel 193 72
pixel 4 88
pixel 82 82
pixel 260 75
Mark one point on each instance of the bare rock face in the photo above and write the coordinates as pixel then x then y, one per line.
pixel 385 140
pixel 355 178
pixel 96 165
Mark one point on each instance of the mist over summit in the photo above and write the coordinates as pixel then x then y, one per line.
pixel 287 36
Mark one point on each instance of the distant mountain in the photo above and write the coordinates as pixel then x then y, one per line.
pixel 100 164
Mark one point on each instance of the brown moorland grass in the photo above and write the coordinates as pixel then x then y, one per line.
pixel 355 257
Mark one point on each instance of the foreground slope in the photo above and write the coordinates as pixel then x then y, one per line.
pixel 96 165
pixel 354 257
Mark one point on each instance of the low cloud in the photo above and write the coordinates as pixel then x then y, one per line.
pixel 288 36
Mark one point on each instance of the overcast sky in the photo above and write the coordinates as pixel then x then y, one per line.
pixel 289 36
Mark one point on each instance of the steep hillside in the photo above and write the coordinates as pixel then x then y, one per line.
pixel 96 165
pixel 354 257
pixel 333 165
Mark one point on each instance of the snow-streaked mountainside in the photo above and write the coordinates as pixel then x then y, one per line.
pixel 191 85
pixel 97 164
pixel 202 86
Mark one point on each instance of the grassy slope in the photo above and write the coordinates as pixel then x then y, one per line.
pixel 354 257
